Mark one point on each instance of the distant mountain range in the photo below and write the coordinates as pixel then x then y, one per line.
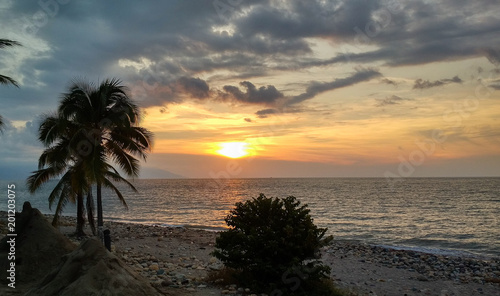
pixel 16 172
pixel 156 173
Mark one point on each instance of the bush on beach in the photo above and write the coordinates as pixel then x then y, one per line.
pixel 273 245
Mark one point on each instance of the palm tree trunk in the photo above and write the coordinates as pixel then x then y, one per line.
pixel 90 211
pixel 100 221
pixel 80 217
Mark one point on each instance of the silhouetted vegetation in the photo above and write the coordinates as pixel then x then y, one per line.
pixel 273 245
pixel 6 79
pixel 92 126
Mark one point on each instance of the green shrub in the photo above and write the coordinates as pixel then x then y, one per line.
pixel 273 244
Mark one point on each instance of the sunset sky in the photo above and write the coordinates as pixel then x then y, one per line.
pixel 304 88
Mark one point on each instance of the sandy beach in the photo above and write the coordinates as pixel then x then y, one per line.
pixel 176 261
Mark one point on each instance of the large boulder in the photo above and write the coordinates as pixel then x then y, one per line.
pixel 92 270
pixel 38 247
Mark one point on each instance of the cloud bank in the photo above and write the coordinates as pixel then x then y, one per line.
pixel 169 50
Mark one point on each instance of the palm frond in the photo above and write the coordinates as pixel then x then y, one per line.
pixel 118 178
pixel 8 42
pixel 137 134
pixel 54 127
pixel 61 204
pixel 127 144
pixel 63 189
pixel 75 104
pixel 56 156
pixel 127 162
pixel 40 177
pixel 124 107
pixel 7 80
pixel 108 184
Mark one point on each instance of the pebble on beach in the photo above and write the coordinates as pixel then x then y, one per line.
pixel 427 266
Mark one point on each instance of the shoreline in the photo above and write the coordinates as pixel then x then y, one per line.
pixel 417 249
pixel 405 248
pixel 414 248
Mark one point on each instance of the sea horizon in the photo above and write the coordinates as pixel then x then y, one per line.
pixel 16 180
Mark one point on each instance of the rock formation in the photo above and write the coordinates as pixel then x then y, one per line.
pixel 92 270
pixel 38 247
pixel 48 263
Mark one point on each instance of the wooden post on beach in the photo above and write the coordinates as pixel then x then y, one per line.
pixel 107 239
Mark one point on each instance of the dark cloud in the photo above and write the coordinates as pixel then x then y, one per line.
pixel 189 87
pixel 248 119
pixel 265 112
pixel 492 55
pixel 156 90
pixel 299 19
pixel 495 84
pixel 161 49
pixel 266 95
pixel 239 62
pixel 269 95
pixel 388 81
pixel 316 88
pixel 424 84
pixel 195 87
pixel 392 100
pixel 423 32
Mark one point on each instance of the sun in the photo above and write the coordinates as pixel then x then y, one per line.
pixel 234 149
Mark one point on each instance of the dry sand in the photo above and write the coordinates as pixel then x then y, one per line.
pixel 177 260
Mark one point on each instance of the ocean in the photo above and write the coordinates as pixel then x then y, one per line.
pixel 439 215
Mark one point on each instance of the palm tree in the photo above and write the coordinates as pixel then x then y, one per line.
pixel 6 79
pixel 59 137
pixel 72 186
pixel 92 126
pixel 111 120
